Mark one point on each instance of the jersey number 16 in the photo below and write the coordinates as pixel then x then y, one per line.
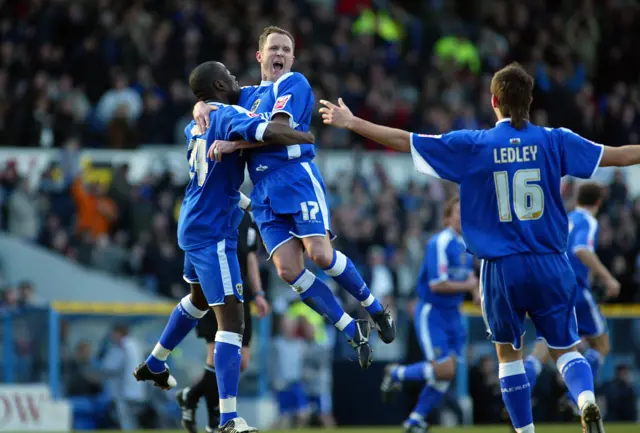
pixel 528 198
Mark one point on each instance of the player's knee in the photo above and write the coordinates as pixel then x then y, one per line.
pixel 319 252
pixel 288 273
pixel 197 298
pixel 445 371
pixel 601 344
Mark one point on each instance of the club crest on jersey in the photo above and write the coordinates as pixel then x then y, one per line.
pixel 281 102
pixel 255 106
pixel 239 289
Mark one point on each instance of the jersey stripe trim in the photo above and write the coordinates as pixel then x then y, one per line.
pixel 322 201
pixel 260 131
pixel 599 159
pixel 421 165
pixel 425 335
pixel 225 272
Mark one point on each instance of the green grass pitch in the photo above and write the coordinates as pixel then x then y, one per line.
pixel 540 428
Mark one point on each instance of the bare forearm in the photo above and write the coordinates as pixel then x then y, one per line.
pixel 278 133
pixel 591 260
pixel 394 138
pixel 620 156
pixel 452 287
pixel 253 273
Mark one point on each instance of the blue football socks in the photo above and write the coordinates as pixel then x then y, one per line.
pixel 345 273
pixel 532 368
pixel 595 360
pixel 577 376
pixel 318 296
pixel 227 359
pixel 182 320
pixel 516 394
pixel 414 372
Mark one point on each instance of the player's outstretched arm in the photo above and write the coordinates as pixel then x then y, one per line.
pixel 452 287
pixel 620 156
pixel 340 116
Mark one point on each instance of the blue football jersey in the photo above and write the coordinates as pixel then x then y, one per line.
pixel 446 259
pixel 210 210
pixel 510 200
pixel 293 96
pixel 583 233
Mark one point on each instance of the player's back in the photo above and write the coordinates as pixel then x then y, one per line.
pixel 583 232
pixel 291 95
pixel 509 183
pixel 446 259
pixel 513 217
pixel 210 210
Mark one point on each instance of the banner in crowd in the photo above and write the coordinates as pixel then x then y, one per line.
pixel 31 408
pixel 99 165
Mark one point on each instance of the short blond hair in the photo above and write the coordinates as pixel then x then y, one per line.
pixel 271 30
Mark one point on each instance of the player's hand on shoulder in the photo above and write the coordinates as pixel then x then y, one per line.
pixel 337 115
pixel 612 287
pixel 220 147
pixel 201 113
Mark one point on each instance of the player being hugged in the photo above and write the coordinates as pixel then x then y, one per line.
pixel 289 197
pixel 513 218
pixel 207 232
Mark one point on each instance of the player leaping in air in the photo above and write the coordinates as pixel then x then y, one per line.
pixel 289 198
pixel 207 232
pixel 513 218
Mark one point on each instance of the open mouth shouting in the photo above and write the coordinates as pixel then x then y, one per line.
pixel 277 67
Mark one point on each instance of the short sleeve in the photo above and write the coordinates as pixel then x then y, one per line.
pixel 242 124
pixel 584 236
pixel 444 156
pixel 292 94
pixel 580 157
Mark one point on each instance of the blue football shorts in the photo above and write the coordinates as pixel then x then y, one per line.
pixel 291 202
pixel 540 285
pixel 217 270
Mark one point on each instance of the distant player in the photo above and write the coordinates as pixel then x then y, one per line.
pixel 513 218
pixel 207 232
pixel 583 236
pixel 207 328
pixel 289 198
pixel 445 277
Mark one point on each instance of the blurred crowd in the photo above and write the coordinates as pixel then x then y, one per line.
pixel 113 73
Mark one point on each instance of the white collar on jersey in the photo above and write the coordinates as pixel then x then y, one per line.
pixel 506 119
pixel 266 83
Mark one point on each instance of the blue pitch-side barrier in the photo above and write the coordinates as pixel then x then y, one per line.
pixel 42 326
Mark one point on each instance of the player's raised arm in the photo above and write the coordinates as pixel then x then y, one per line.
pixel 445 155
pixel 340 116
pixel 620 156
